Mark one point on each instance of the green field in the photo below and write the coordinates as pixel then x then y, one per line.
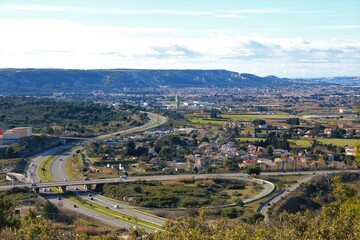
pixel 339 141
pixel 250 117
pixel 301 142
pixel 335 141
pixel 205 121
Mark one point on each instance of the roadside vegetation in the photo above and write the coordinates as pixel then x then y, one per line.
pixel 44 169
pixel 181 193
pixel 326 223
pixel 28 147
pixel 75 166
pixel 79 118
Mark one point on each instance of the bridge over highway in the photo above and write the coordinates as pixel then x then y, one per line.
pixel 240 176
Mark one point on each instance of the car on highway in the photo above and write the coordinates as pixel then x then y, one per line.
pixel 117 206
pixel 91 198
pixel 60 159
pixel 58 198
pixel 75 206
pixel 123 177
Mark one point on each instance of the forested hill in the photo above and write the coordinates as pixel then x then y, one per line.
pixel 29 81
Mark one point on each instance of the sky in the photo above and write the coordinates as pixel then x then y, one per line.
pixel 287 38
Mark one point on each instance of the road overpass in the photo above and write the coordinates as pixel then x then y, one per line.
pixel 240 176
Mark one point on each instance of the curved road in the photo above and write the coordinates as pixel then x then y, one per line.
pixel 59 171
pixel 155 121
pixel 265 209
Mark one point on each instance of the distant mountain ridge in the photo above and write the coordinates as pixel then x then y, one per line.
pixel 27 81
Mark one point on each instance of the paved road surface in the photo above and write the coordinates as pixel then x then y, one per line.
pixel 58 169
pixel 86 211
pixel 166 177
pixel 59 172
pixel 265 209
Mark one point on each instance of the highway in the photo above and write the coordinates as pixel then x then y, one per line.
pixel 241 176
pixel 59 172
pixel 58 169
pixel 265 209
pixel 155 121
pixel 86 211
pixel 32 169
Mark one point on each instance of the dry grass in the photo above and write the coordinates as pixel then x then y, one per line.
pixel 186 180
pixel 88 230
pixel 74 166
pixel 172 183
pixel 59 225
pixel 354 184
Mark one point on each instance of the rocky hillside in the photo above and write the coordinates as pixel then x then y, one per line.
pixel 29 81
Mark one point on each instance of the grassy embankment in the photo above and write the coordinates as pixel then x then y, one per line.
pixel 74 166
pixel 44 169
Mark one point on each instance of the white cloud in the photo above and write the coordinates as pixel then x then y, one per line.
pixel 235 13
pixel 66 44
pixel 339 27
pixel 255 11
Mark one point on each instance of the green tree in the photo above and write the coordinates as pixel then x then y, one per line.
pixel 38 228
pixel 214 113
pixel 50 131
pixel 130 148
pixel 258 122
pixel 9 152
pixel 229 213
pixel 357 153
pixel 293 121
pixel 50 211
pixel 167 153
pixel 255 218
pixel 236 131
pixel 253 170
pixel 270 151
pixel 7 217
